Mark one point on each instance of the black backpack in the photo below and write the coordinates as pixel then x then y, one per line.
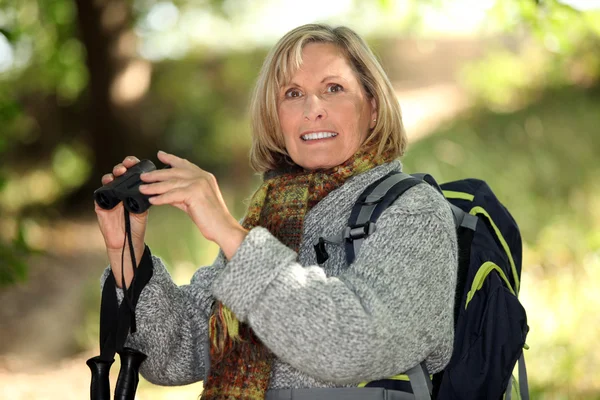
pixel 490 322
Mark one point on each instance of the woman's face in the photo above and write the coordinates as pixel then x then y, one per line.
pixel 325 113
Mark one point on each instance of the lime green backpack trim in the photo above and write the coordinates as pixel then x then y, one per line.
pixel 482 273
pixel 449 194
pixel 480 210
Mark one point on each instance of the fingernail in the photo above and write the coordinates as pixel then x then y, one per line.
pixel 161 152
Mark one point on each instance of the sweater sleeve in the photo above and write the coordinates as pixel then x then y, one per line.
pixel 390 310
pixel 172 325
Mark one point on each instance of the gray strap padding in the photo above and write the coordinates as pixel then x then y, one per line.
pixel 371 202
pixel 463 219
pixel 356 243
pixel 419 175
pixel 380 190
pixel 376 195
pixel 420 382
pixel 508 393
pixel 470 222
pixel 338 394
pixel 430 180
pixel 523 384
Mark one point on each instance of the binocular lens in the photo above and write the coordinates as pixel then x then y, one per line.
pixel 104 201
pixel 133 206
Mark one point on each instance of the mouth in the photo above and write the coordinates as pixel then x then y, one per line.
pixel 317 136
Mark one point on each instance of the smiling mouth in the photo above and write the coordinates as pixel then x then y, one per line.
pixel 317 136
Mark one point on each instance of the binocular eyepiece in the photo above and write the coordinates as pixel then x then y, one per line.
pixel 125 188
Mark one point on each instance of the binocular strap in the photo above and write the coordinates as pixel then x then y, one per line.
pixel 116 320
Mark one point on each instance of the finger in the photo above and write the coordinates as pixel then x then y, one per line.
pixel 130 161
pixel 174 196
pixel 172 160
pixel 161 187
pixel 119 169
pixel 107 178
pixel 164 174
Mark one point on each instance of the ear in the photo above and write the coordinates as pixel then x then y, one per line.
pixel 374 113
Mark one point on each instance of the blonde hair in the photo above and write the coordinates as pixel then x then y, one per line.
pixel 268 149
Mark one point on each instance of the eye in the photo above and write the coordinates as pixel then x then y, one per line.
pixel 334 87
pixel 293 93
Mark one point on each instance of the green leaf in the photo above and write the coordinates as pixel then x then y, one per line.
pixel 13 268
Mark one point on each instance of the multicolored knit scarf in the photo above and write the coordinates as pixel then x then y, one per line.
pixel 240 363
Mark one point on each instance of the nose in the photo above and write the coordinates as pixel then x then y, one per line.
pixel 314 109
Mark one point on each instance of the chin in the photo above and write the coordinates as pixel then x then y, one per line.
pixel 316 165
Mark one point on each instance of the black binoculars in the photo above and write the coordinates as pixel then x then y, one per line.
pixel 125 188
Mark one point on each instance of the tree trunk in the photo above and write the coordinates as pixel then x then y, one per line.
pixel 118 80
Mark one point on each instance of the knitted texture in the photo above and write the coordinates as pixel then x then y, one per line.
pixel 241 365
pixel 328 325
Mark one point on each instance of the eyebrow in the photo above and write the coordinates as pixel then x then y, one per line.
pixel 328 77
pixel 331 77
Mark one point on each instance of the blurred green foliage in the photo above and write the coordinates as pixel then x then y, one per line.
pixel 48 56
pixel 206 110
pixel 551 45
pixel 13 267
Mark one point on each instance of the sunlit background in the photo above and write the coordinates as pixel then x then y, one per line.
pixel 507 91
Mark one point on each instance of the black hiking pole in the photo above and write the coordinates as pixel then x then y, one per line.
pixel 100 365
pixel 100 386
pixel 128 379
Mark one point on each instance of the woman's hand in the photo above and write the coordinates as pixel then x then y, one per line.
pixel 196 192
pixel 112 227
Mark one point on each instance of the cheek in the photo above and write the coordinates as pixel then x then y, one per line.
pixel 286 122
pixel 351 115
pixel 286 117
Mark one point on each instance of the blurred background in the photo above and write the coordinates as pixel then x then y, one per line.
pixel 507 91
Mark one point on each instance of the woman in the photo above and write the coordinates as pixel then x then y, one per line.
pixel 265 316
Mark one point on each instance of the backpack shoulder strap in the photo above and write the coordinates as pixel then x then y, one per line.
pixel 378 196
pixel 370 205
pixel 429 179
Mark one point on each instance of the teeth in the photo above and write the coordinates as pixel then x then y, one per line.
pixel 318 135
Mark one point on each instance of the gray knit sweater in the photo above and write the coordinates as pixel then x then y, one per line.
pixel 331 325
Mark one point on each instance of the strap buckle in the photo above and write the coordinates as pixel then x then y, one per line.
pixel 359 231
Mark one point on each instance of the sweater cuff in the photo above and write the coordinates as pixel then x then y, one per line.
pixel 256 263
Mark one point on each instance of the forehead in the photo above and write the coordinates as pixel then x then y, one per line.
pixel 314 61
